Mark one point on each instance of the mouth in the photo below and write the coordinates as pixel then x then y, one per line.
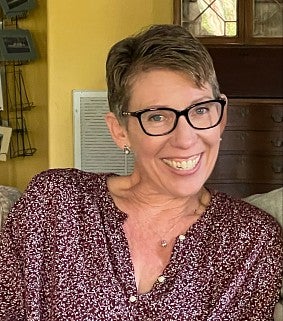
pixel 184 165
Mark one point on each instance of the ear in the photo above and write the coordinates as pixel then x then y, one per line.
pixel 224 118
pixel 117 131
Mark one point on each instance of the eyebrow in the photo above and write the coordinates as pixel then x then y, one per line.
pixel 202 99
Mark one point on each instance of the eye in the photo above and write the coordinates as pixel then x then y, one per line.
pixel 156 118
pixel 201 110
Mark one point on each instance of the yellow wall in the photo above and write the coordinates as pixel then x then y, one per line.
pixel 79 35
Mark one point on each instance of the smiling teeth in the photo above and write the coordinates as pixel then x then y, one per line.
pixel 183 165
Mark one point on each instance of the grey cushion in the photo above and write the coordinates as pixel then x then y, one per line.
pixel 271 203
pixel 8 196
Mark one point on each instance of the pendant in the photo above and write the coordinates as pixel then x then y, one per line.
pixel 163 243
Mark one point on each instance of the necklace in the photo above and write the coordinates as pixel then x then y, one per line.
pixel 203 203
pixel 163 241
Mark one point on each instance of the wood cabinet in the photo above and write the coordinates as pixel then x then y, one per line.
pixel 249 71
pixel 251 152
pixel 234 21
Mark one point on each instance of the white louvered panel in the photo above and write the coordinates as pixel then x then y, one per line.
pixel 94 149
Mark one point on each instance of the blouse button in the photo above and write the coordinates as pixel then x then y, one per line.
pixel 161 278
pixel 182 237
pixel 133 298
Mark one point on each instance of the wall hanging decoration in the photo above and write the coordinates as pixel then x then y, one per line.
pixel 16 49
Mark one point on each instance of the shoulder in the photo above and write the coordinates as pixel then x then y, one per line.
pixel 64 181
pixel 66 176
pixel 57 195
pixel 60 190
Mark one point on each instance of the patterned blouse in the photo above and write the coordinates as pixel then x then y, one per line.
pixel 64 257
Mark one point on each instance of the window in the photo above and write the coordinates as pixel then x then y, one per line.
pixel 232 21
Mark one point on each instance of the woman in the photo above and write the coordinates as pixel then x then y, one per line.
pixel 154 245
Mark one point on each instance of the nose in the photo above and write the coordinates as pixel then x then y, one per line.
pixel 184 135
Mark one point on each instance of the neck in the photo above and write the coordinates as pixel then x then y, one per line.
pixel 164 224
pixel 146 204
pixel 164 208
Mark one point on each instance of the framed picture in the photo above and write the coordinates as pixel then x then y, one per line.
pixel 16 45
pixel 16 8
pixel 5 136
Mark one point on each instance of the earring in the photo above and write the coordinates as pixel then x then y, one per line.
pixel 126 153
pixel 220 139
pixel 126 150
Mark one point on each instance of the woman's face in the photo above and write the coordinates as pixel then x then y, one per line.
pixel 158 158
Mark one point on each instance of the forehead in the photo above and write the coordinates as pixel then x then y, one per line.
pixel 163 87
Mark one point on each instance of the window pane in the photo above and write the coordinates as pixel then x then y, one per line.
pixel 268 18
pixel 210 17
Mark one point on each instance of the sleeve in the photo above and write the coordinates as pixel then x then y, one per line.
pixel 11 276
pixel 255 286
pixel 263 287
pixel 26 244
pixel 12 283
pixel 48 213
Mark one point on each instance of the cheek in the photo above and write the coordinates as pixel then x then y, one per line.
pixel 145 149
pixel 144 146
pixel 212 139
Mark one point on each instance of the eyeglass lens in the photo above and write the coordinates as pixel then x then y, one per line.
pixel 201 116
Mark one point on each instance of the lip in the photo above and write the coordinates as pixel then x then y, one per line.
pixel 189 164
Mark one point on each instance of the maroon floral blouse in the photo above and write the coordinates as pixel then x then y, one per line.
pixel 64 257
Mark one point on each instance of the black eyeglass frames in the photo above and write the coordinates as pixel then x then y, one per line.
pixel 163 120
